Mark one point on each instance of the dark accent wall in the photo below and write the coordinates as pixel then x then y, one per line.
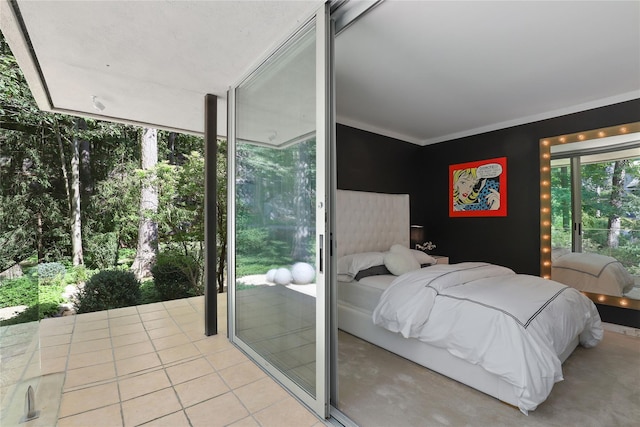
pixel 372 162
pixel 514 240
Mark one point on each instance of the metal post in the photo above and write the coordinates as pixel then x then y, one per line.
pixel 210 214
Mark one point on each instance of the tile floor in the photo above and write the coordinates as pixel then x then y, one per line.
pixel 147 365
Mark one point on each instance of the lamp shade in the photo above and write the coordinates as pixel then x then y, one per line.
pixel 417 234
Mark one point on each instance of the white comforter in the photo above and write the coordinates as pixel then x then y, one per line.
pixel 512 325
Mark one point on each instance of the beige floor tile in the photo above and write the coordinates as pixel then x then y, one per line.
pixel 186 318
pixel 92 345
pixel 108 416
pixel 164 332
pixel 126 329
pixel 241 374
pixel 226 358
pixel 245 422
pixel 154 315
pixel 124 320
pixel 87 399
pixel 91 326
pixel 55 329
pixel 143 384
pixel 146 308
pixel 170 341
pixel 132 350
pixel 55 340
pixel 219 411
pixel 183 309
pixel 288 412
pixel 137 363
pixel 90 317
pixel 128 339
pixel 195 334
pixel 149 407
pixel 50 366
pixel 91 335
pixel 260 394
pixel 178 353
pixel 213 344
pixel 186 371
pixel 200 389
pixel 166 322
pixel 177 419
pixel 120 312
pixel 55 322
pixel 176 303
pixel 89 374
pixel 80 360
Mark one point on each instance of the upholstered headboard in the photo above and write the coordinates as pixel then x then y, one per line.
pixel 367 222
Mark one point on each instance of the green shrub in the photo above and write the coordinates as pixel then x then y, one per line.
pixel 101 250
pixel 80 274
pixel 20 291
pixel 175 276
pixel 108 289
pixel 50 272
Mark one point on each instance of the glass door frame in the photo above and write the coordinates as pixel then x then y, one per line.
pixel 324 193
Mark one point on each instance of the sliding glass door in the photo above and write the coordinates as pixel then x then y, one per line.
pixel 595 204
pixel 279 143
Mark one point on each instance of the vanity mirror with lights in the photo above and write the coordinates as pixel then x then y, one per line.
pixel 590 213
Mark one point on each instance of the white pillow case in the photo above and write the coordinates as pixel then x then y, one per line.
pixel 423 258
pixel 350 265
pixel 400 260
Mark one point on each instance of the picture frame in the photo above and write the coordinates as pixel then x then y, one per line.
pixel 478 189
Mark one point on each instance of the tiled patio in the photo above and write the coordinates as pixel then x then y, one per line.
pixel 147 365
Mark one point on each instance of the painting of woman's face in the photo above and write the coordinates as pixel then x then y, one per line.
pixel 464 186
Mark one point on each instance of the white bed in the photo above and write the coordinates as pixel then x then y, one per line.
pixel 595 273
pixel 374 222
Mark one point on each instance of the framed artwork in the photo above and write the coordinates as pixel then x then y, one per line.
pixel 478 188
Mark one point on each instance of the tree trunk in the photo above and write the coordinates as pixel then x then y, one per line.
pixel 63 165
pixel 39 240
pixel 617 192
pixel 76 223
pixel 86 178
pixel 566 205
pixel 148 229
pixel 171 144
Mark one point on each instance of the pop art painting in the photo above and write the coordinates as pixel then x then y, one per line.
pixel 478 188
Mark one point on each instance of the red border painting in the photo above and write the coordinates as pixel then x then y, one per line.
pixel 478 188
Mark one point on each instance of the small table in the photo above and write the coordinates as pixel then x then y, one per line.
pixel 441 259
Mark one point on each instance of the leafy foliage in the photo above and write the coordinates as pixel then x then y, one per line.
pixel 608 195
pixel 176 276
pixel 108 289
pixel 101 250
pixel 50 272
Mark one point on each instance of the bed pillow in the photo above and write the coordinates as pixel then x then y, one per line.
pixel 350 265
pixel 423 258
pixel 377 270
pixel 400 260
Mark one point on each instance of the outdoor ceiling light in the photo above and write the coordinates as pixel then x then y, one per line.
pixel 99 106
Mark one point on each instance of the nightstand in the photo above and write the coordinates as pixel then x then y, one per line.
pixel 440 259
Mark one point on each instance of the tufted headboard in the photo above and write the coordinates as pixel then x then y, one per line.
pixel 367 222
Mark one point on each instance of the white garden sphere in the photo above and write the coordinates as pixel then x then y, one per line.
pixel 271 274
pixel 303 273
pixel 282 276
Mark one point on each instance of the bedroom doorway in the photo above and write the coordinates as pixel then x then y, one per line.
pixel 279 226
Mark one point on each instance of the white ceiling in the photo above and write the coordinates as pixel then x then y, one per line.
pixel 423 71
pixel 431 71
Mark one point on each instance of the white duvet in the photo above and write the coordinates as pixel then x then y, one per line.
pixel 512 325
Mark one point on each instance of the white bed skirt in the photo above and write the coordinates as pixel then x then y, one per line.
pixel 358 322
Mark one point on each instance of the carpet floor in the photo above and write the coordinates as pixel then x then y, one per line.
pixel 377 388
